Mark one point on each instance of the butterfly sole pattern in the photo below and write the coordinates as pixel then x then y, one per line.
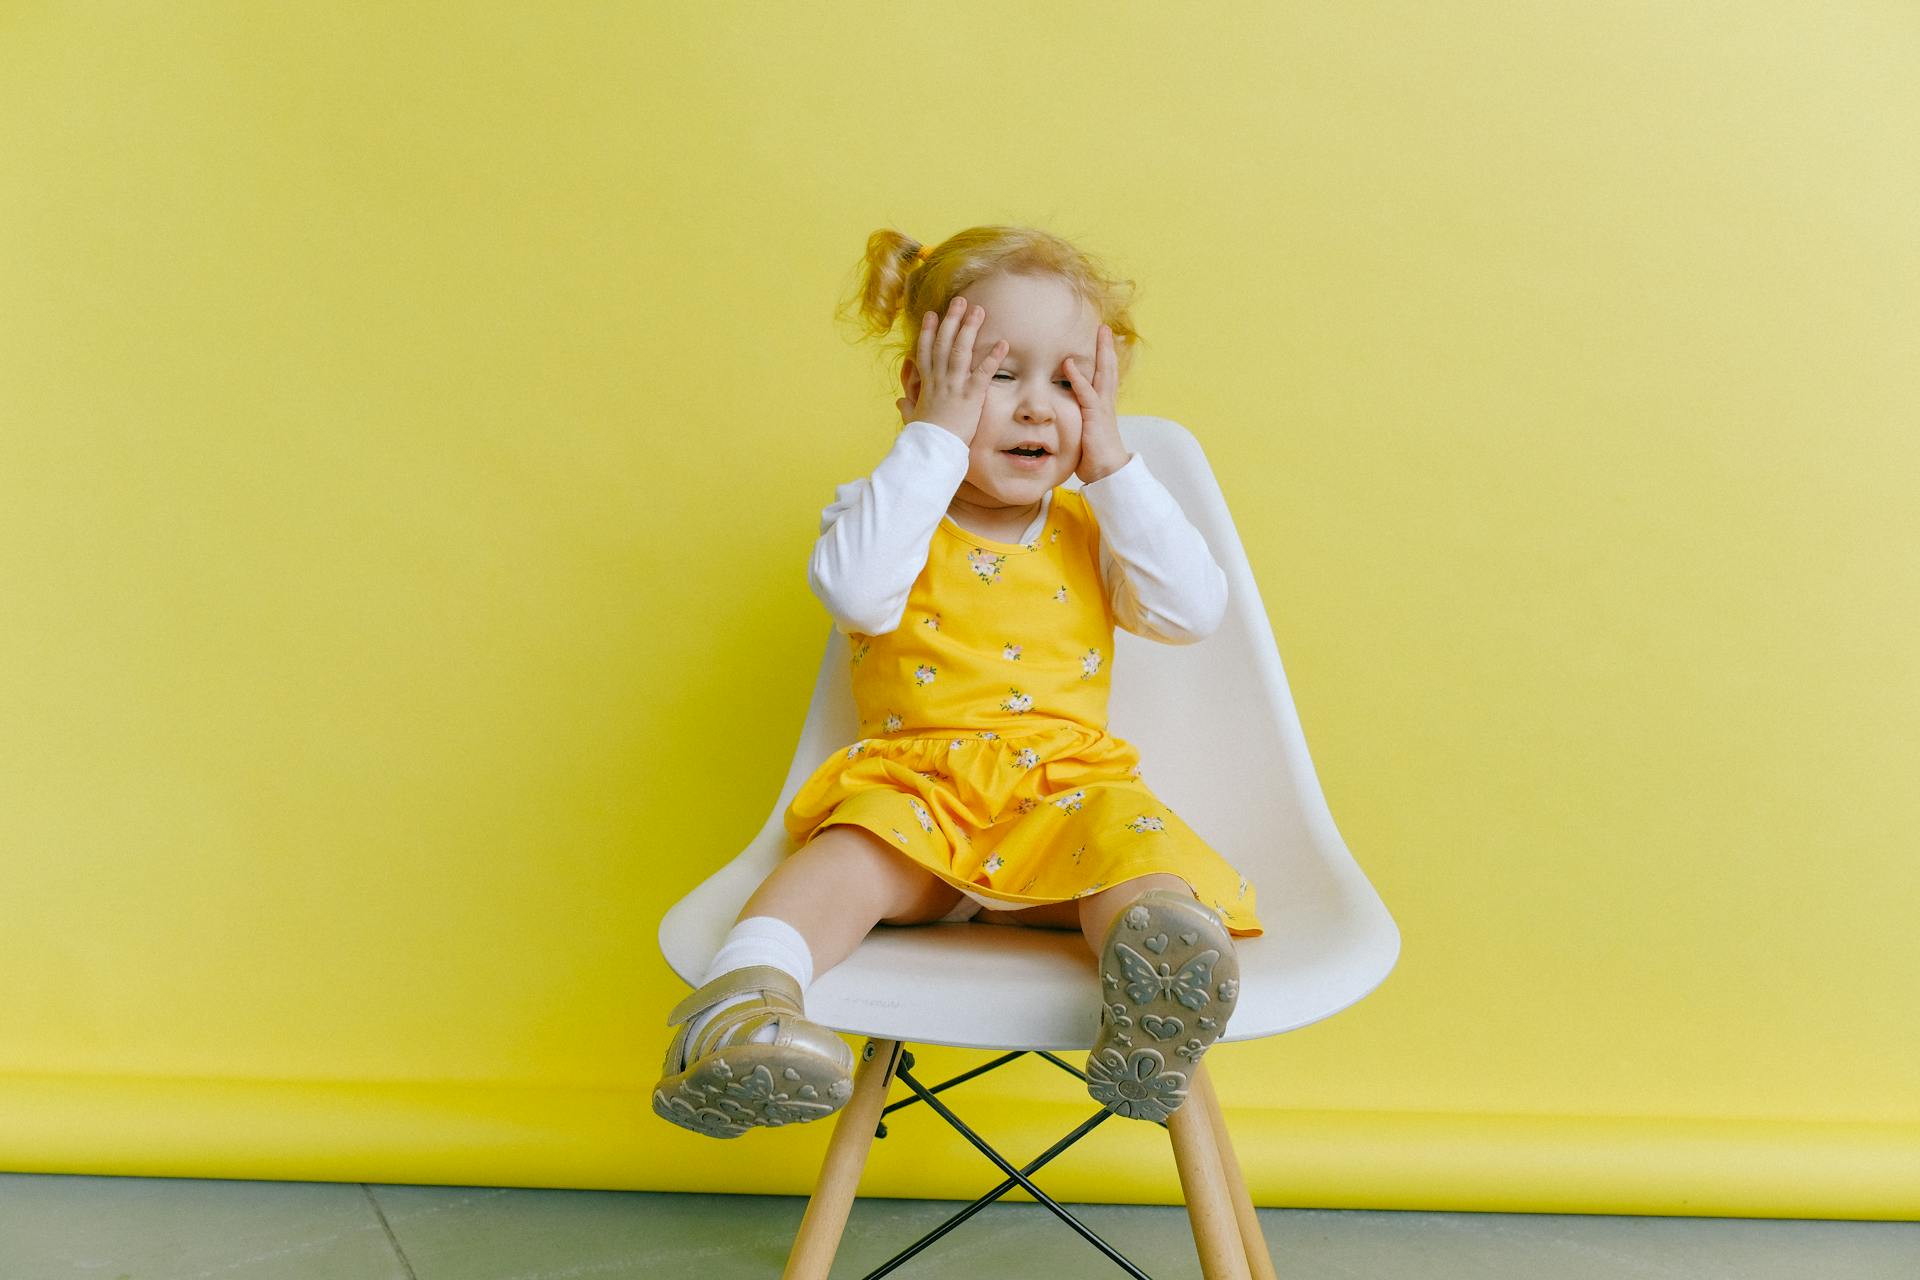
pixel 745 1086
pixel 1168 982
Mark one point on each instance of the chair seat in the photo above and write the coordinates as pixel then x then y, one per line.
pixel 986 986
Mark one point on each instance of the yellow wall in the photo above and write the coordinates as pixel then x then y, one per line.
pixel 414 421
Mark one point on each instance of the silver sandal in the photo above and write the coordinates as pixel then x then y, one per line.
pixel 1168 980
pixel 725 1085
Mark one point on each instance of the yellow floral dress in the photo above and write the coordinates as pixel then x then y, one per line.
pixel 987 759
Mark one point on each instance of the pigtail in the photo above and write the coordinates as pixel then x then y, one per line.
pixel 881 282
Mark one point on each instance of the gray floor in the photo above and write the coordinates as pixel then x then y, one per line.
pixel 54 1226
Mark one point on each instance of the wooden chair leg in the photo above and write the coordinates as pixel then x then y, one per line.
pixel 1216 1229
pixel 1252 1239
pixel 833 1193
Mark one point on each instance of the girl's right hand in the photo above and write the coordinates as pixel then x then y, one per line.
pixel 953 392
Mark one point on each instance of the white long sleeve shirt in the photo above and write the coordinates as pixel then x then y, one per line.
pixel 1160 578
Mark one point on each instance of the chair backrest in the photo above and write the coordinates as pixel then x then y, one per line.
pixel 1220 744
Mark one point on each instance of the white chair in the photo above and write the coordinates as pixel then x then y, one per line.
pixel 1221 745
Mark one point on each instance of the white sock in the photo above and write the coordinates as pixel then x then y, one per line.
pixel 766 940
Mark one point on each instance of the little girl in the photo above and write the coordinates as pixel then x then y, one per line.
pixel 979 598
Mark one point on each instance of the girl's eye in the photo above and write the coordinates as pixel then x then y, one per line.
pixel 1063 382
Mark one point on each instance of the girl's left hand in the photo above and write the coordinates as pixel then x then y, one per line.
pixel 1101 453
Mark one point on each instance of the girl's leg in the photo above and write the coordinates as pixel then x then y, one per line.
pixel 827 895
pixel 1097 910
pixel 1052 915
pixel 1093 914
pixel 843 882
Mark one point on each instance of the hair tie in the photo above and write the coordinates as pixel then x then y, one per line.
pixel 923 253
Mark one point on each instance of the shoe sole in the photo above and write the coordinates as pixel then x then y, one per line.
pixel 750 1086
pixel 1168 982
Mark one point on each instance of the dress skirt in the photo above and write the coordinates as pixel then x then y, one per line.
pixel 1044 813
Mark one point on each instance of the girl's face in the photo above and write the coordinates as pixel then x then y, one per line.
pixel 1030 400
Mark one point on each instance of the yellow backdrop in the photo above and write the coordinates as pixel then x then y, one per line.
pixel 414 421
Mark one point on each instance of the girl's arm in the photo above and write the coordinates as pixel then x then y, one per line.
pixel 1162 580
pixel 875 534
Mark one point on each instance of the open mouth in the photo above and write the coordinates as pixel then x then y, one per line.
pixel 1027 459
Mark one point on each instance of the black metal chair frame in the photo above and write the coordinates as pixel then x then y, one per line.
pixel 1022 1177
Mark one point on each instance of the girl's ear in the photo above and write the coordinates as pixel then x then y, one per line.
pixel 909 383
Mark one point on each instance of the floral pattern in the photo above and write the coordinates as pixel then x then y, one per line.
pixel 985 564
pixel 757 1093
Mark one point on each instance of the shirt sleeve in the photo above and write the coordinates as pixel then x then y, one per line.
pixel 875 534
pixel 1162 580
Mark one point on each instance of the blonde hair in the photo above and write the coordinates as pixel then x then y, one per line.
pixel 900 280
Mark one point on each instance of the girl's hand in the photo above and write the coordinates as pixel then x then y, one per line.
pixel 953 392
pixel 1101 453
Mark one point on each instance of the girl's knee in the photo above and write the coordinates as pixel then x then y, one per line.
pixel 845 843
pixel 929 902
pixel 1099 909
pixel 904 891
pixel 1131 889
